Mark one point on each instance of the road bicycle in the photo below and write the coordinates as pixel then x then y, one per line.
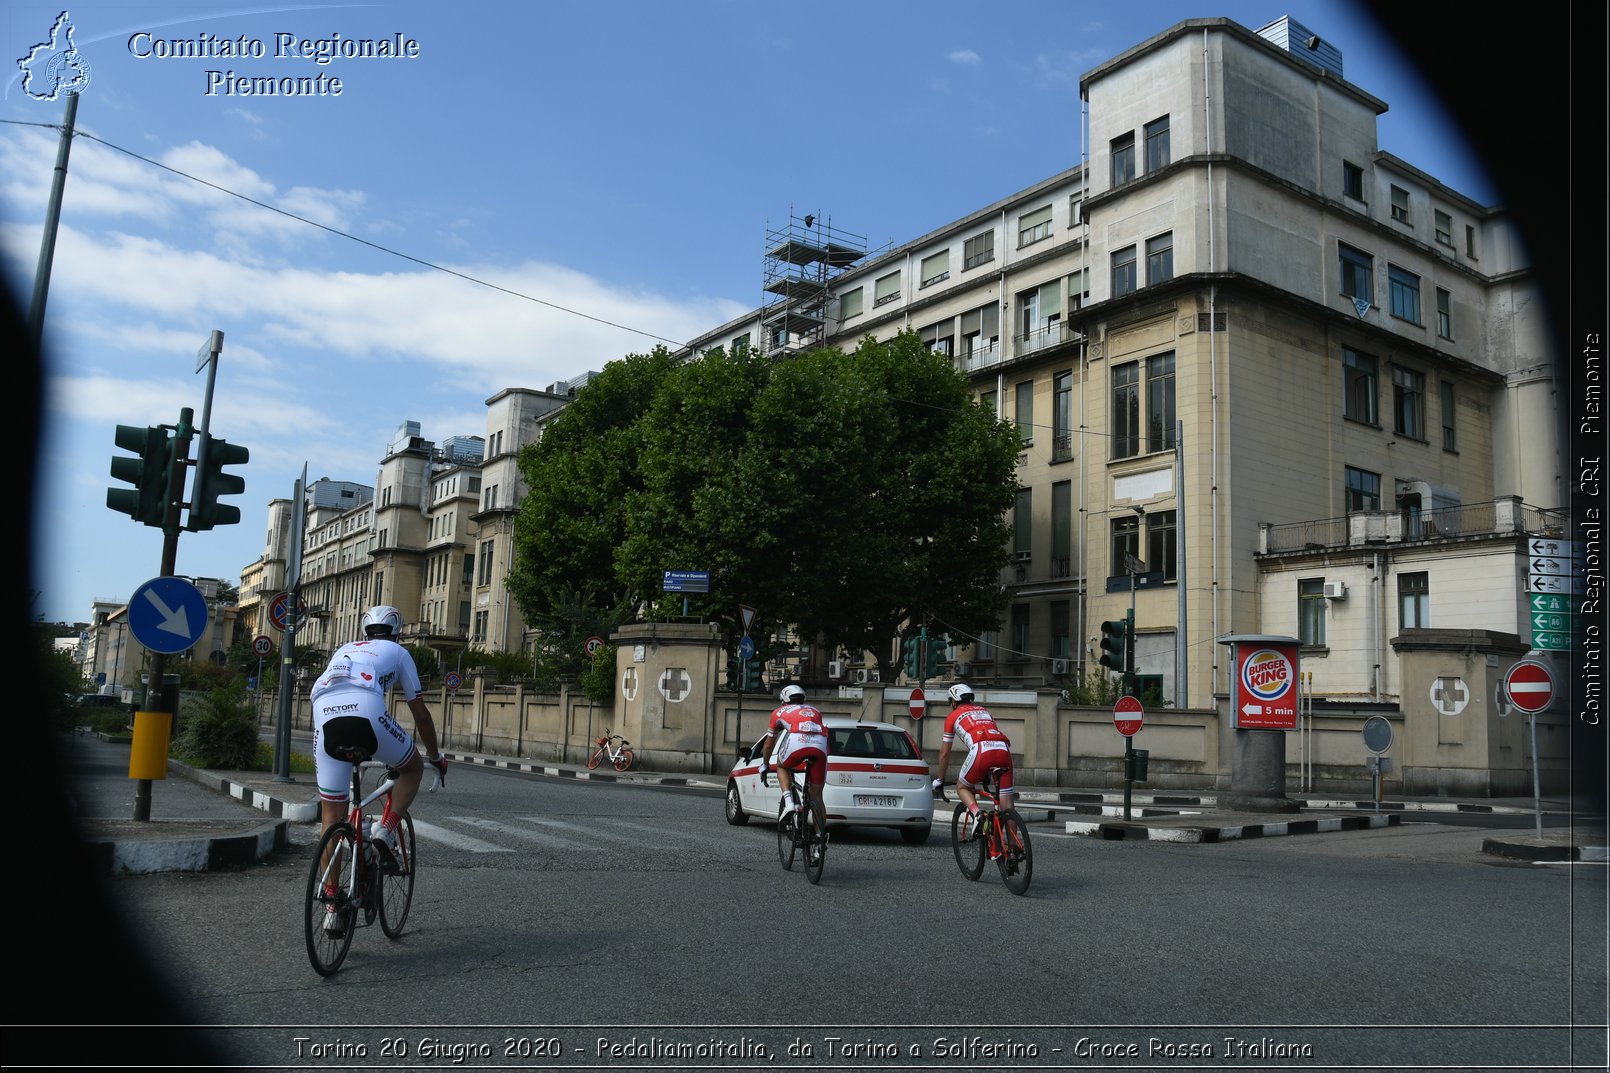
pixel 803 828
pixel 356 879
pixel 611 747
pixel 1000 835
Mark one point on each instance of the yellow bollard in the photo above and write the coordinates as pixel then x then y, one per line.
pixel 148 757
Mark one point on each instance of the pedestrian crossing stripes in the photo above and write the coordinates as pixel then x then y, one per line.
pixel 482 834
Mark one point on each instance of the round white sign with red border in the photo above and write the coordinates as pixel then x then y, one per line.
pixel 1530 686
pixel 1128 716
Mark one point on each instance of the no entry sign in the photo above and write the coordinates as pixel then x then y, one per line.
pixel 1128 715
pixel 919 703
pixel 1530 686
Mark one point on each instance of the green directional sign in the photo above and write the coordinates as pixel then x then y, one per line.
pixel 1551 642
pixel 1549 623
pixel 1548 601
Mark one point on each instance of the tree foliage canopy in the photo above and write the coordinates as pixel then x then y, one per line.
pixel 851 496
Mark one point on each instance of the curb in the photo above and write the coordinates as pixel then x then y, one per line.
pixel 304 812
pixel 1111 832
pixel 201 853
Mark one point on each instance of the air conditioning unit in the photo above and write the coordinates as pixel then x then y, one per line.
pixel 963 669
pixel 1059 666
pixel 1335 590
pixel 864 675
pixel 835 669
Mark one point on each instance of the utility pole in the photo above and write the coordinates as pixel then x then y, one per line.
pixel 47 245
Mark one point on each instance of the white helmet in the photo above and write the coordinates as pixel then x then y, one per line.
pixel 960 693
pixel 791 695
pixel 382 620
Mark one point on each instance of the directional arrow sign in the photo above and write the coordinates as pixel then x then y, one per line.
pixel 1551 566
pixel 1554 583
pixel 1546 546
pixel 1543 601
pixel 1545 641
pixel 1550 622
pixel 167 614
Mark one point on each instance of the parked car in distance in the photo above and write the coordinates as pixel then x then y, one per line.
pixel 876 777
pixel 99 700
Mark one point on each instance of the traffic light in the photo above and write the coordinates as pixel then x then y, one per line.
pixel 734 676
pixel 912 666
pixel 752 674
pixel 1114 639
pixel 937 646
pixel 211 482
pixel 147 501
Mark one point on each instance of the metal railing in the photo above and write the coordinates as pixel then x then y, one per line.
pixel 1495 518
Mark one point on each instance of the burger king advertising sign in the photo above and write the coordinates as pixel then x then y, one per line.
pixel 1266 686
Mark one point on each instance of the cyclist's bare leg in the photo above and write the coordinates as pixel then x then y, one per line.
pixel 965 792
pixel 409 776
pixel 785 782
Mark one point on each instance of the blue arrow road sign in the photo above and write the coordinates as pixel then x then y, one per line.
pixel 167 614
pixel 746 647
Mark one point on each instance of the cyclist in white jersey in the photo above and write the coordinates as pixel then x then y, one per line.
pixel 350 710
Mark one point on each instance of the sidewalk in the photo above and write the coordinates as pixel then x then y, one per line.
pixel 202 820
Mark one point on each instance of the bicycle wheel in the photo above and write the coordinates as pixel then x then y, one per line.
pixel 327 948
pixel 1017 855
pixel 597 757
pixel 623 762
pixel 397 880
pixel 815 840
pixel 969 851
pixel 787 843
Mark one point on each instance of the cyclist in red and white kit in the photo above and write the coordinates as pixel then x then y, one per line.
pixel 988 749
pixel 800 735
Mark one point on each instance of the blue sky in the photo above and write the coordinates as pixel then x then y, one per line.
pixel 609 168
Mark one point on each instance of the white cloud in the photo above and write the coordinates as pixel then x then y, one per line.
pixel 965 56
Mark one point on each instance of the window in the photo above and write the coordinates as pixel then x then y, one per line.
pixel 1311 611
pixel 851 304
pixel 1157 144
pixel 1353 181
pixel 489 497
pixel 1403 289
pixel 1060 645
pixel 1123 159
pixel 1062 416
pixel 1126 410
pixel 1444 314
pixel 469 569
pixel 1123 272
pixel 1408 403
pixel 1040 316
pixel 1414 601
pixel 935 268
pixel 1470 241
pixel 1062 529
pixel 486 563
pixel 984 651
pixel 1159 258
pixel 1445 396
pixel 1078 289
pixel 481 619
pixel 886 289
pixel 988 401
pixel 1443 225
pixel 981 334
pixel 1034 226
pixel 939 337
pixel 1160 402
pixel 1363 490
pixel 1162 544
pixel 980 249
pixel 1358 272
pixel 1400 205
pixel 1020 632
pixel 1125 543
pixel 1359 380
pixel 1025 411
pixel 1023 524
pixel 1076 209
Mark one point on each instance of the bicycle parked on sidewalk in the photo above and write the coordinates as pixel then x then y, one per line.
pixel 803 828
pixel 1000 835
pixel 356 878
pixel 611 747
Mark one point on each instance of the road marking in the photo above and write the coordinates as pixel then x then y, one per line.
pixel 455 840
pixel 525 833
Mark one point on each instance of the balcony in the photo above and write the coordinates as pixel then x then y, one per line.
pixel 981 357
pixel 1047 335
pixel 1502 517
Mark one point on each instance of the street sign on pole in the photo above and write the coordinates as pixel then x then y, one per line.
pixel 1530 686
pixel 593 645
pixel 919 703
pixel 1128 716
pixel 167 614
pixel 263 645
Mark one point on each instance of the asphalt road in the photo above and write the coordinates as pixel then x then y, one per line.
pixel 551 909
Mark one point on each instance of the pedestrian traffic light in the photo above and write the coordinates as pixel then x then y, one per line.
pixel 212 456
pixel 147 501
pixel 912 665
pixel 1114 639
pixel 752 674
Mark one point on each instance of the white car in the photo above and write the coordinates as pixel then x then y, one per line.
pixel 876 777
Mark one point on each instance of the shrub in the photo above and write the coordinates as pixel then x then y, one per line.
pixel 219 732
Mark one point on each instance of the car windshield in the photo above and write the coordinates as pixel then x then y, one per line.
pixel 875 742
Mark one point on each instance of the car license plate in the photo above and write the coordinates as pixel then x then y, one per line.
pixel 875 801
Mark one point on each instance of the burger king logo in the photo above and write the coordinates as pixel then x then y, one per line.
pixel 1267 674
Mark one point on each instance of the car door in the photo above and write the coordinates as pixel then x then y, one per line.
pixel 758 800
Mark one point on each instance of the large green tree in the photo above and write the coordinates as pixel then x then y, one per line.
pixel 853 496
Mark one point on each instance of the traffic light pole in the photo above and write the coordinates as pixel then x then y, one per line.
pixel 155 695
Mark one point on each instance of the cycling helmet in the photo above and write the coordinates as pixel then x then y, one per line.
pixel 960 693
pixel 791 695
pixel 382 620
